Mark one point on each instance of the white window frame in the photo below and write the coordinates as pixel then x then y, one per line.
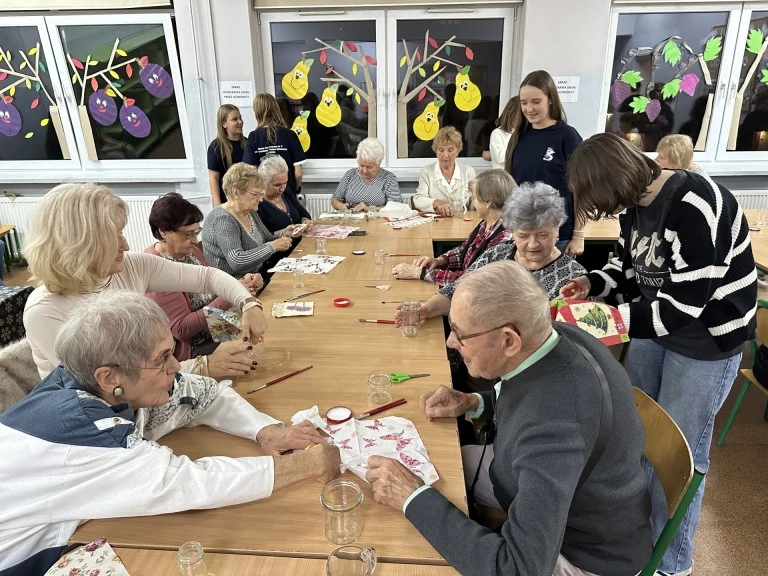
pixel 323 170
pixel 19 170
pixel 166 170
pixel 708 159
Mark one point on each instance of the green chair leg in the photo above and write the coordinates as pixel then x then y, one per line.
pixel 733 412
pixel 665 538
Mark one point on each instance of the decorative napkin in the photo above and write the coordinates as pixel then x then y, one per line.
pixel 94 559
pixel 284 309
pixel 602 321
pixel 224 325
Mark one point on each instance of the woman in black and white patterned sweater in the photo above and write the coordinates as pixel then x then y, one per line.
pixel 687 276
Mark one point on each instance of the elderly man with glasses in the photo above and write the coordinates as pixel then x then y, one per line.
pixel 564 458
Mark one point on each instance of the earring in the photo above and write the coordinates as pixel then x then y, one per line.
pixel 117 391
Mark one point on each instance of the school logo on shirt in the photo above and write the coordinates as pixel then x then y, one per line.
pixel 549 155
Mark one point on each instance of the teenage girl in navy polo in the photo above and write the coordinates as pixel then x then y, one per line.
pixel 225 150
pixel 539 149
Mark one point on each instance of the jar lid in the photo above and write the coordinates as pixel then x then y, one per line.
pixel 341 302
pixel 338 415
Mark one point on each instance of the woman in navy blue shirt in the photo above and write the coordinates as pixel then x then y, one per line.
pixel 281 212
pixel 225 150
pixel 539 149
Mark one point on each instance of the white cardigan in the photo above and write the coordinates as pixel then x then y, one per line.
pixel 498 147
pixel 432 186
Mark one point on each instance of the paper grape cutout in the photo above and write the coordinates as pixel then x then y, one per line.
pixel 103 108
pixel 135 121
pixel 10 119
pixel 156 80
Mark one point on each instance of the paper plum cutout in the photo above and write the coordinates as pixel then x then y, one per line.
pixel 103 108
pixel 134 120
pixel 10 119
pixel 155 79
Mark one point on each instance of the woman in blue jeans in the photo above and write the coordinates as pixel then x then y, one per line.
pixel 687 276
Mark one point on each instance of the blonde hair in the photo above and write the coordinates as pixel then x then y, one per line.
pixel 239 177
pixel 678 149
pixel 268 115
pixel 225 146
pixel 447 135
pixel 75 237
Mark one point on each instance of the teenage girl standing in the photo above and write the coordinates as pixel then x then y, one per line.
pixel 539 149
pixel 226 149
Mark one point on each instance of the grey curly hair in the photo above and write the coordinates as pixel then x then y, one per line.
pixel 533 205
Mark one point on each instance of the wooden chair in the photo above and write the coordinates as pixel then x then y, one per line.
pixel 762 338
pixel 668 452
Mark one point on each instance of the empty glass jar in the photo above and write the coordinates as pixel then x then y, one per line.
pixel 342 503
pixel 409 317
pixel 191 560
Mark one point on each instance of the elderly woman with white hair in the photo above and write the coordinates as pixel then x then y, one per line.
pixel 368 184
pixel 77 248
pixel 83 445
pixel 281 210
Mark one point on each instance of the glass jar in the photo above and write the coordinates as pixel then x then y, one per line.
pixel 342 500
pixel 351 561
pixel 458 208
pixel 409 317
pixel 379 388
pixel 191 559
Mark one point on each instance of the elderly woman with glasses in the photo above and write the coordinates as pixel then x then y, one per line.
pixel 368 184
pixel 83 444
pixel 281 210
pixel 490 191
pixel 235 239
pixel 76 248
pixel 175 222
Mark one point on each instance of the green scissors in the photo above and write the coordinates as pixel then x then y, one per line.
pixel 397 378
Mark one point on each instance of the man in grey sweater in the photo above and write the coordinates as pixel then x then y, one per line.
pixel 547 410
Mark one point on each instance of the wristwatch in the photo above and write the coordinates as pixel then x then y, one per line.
pixel 249 300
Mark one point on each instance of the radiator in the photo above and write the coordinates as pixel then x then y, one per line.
pixel 21 210
pixel 316 204
pixel 752 198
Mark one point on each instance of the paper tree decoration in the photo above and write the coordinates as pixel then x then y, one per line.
pixel 416 64
pixel 602 321
pixel 328 112
pixel 427 123
pixel 361 61
pixel 467 96
pixel 300 127
pixel 296 82
pixel 24 74
pixel 668 51
pixel 757 43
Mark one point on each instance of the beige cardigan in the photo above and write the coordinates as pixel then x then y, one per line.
pixel 432 186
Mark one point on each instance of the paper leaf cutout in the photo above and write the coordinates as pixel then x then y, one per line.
pixel 349 91
pixel 7 99
pixel 631 77
pixel 42 66
pixel 129 102
pixel 8 56
pixel 28 83
pixel 44 122
pixel 671 52
pixel 403 61
pixel 29 135
pixel 143 61
pixel 671 89
pixel 350 46
pixel 357 97
pixel 323 57
pixel 354 69
pixel 439 103
pixel 653 110
pixel 417 55
pixel 440 80
pixel 12 91
pixel 422 73
pixel 304 115
pixel 422 93
pixel 128 70
pixel 639 104
pixel 448 50
pixel 469 53
pixel 465 70
pixel 334 87
pixel 712 48
pixel 33 51
pixel 113 74
pixel 110 92
pixel 22 65
pixel 120 52
pixel 77 64
pixel 435 66
pixel 37 86
pixel 3 75
pixel 689 83
pixel 620 91
pixel 763 76
pixel 371 60
pixel 94 84
pixel 74 78
pixel 754 41
pixel 432 42
pixel 93 63
pixel 308 62
pixel 34 104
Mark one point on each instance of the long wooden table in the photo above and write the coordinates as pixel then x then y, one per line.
pixel 158 562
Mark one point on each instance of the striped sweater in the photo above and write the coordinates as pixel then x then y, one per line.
pixel 229 247
pixel 712 273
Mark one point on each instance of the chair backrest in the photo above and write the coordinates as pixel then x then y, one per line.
pixel 18 373
pixel 665 448
pixel 762 321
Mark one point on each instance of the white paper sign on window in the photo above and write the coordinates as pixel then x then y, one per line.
pixel 567 88
pixel 240 93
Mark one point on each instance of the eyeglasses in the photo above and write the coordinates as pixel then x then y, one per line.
pixel 461 339
pixel 190 235
pixel 162 366
pixel 258 194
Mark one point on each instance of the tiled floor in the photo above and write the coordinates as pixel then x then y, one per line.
pixel 732 533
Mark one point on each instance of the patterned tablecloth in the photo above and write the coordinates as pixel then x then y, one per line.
pixel 12 301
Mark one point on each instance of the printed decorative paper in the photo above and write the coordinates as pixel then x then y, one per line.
pixel 94 559
pixel 329 231
pixel 224 325
pixel 602 321
pixel 340 216
pixel 309 264
pixel 411 222
pixel 285 309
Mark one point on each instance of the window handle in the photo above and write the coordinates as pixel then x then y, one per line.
pixel 723 90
